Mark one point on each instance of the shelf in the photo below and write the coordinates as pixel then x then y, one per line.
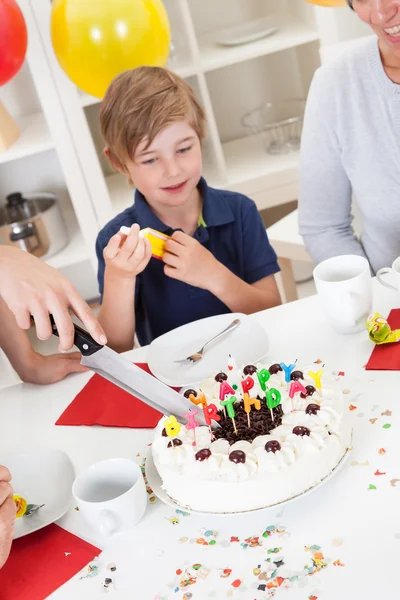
pixel 74 252
pixel 35 137
pixel 251 169
pixel 292 32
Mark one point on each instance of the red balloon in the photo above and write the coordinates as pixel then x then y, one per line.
pixel 13 40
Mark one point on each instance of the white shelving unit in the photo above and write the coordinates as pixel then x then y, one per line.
pixel 60 148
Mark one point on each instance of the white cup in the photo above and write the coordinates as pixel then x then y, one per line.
pixel 394 270
pixel 344 286
pixel 111 495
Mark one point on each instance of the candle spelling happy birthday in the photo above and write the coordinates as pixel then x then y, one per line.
pixel 316 377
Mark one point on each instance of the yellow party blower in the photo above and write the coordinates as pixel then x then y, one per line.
pixel 156 239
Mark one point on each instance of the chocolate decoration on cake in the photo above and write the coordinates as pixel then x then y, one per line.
pixel 203 454
pixel 237 456
pixel 174 443
pixel 221 377
pixel 250 370
pixel 275 368
pixel 272 446
pixel 261 423
pixel 301 431
pixel 296 375
pixel 190 393
pixel 312 409
pixel 164 433
pixel 310 389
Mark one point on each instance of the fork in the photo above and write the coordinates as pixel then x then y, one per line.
pixel 193 358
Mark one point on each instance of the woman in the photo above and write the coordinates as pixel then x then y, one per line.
pixel 351 145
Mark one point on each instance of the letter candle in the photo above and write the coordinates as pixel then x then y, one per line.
pixel 231 411
pixel 201 399
pixel 288 370
pixel 172 428
pixel 296 386
pixel 248 403
pixel 192 423
pixel 316 377
pixel 273 398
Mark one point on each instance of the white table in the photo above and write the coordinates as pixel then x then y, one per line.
pixel 366 523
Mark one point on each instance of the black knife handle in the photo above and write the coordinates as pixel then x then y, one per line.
pixel 82 339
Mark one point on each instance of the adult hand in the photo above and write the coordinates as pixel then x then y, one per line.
pixel 126 255
pixel 187 260
pixel 7 514
pixel 31 287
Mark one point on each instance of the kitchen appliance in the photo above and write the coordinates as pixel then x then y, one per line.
pixel 34 223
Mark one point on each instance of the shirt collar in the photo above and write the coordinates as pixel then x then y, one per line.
pixel 216 209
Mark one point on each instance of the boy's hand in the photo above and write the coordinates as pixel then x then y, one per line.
pixel 187 260
pixel 127 256
pixel 44 370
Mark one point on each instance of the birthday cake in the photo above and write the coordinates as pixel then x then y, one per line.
pixel 271 435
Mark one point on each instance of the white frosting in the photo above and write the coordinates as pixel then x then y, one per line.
pixel 218 484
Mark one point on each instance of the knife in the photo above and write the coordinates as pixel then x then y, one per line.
pixel 120 371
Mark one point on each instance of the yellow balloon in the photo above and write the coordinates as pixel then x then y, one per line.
pixel 94 40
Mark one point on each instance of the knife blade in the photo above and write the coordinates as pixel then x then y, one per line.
pixel 119 370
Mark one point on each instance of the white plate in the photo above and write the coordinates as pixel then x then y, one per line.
pixel 247 344
pixel 154 481
pixel 246 32
pixel 41 477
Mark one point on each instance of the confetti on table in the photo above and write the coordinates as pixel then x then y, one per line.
pixel 318 361
pixel 387 413
pixel 237 583
pixel 382 451
pixel 386 426
pixel 346 391
pixel 312 597
pixel 338 563
pixel 352 407
pixel 355 463
pixel 341 374
pixel 393 482
pixel 183 540
pixel 379 473
pixel 67 553
pixel 373 421
pixel 371 487
pixel 225 573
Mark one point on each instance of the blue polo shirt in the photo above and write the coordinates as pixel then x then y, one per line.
pixel 233 232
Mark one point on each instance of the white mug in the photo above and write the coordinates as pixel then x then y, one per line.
pixel 344 286
pixel 111 495
pixel 395 272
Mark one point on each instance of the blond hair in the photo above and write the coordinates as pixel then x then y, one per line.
pixel 140 103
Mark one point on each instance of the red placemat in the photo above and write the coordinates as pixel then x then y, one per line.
pixel 101 402
pixel 43 561
pixel 386 357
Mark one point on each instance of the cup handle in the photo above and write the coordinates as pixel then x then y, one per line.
pixel 381 280
pixel 107 523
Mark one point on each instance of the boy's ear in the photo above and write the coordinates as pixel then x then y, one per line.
pixel 114 162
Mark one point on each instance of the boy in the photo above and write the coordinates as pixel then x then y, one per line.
pixel 218 259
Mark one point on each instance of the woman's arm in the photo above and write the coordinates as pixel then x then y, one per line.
pixel 325 190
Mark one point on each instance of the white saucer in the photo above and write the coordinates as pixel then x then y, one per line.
pixel 41 477
pixel 247 344
pixel 249 31
pixel 154 481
